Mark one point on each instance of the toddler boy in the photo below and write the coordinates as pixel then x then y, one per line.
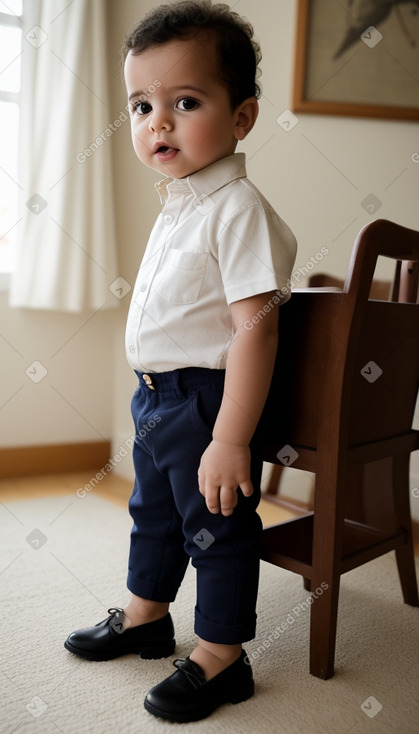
pixel 216 258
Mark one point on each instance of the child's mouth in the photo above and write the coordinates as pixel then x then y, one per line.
pixel 164 152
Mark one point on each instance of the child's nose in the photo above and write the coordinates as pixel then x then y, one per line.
pixel 160 120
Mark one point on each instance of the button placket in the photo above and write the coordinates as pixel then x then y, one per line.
pixel 162 235
pixel 171 210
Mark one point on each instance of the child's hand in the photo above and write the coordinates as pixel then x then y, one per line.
pixel 224 467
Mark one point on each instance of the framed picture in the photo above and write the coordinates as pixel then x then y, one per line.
pixel 358 58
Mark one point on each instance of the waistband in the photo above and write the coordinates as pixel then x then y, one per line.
pixel 184 377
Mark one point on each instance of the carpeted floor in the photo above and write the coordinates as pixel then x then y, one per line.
pixel 63 563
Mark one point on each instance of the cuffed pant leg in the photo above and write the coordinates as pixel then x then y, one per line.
pixel 157 559
pixel 228 578
pixel 224 550
pixel 173 523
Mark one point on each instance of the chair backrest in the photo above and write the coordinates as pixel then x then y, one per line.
pixel 381 377
pixel 347 367
pixel 380 238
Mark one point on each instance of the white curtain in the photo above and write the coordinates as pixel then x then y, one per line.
pixel 66 257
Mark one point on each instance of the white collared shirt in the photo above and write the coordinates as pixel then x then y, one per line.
pixel 217 240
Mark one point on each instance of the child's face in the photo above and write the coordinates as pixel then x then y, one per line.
pixel 186 123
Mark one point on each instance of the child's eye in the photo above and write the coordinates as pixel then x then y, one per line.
pixel 187 103
pixel 141 108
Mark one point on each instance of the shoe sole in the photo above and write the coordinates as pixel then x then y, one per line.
pixel 238 696
pixel 147 653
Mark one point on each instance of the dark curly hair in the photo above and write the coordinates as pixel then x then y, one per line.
pixel 238 53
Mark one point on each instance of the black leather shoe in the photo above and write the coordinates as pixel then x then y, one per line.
pixel 187 696
pixel 107 639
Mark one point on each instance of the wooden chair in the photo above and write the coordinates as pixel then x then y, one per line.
pixel 342 401
pixel 381 290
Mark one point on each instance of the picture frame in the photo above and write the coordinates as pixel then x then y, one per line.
pixel 346 65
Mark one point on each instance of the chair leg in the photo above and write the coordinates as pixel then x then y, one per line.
pixel 323 623
pixel 405 556
pixel 407 575
pixel 327 548
pixel 328 525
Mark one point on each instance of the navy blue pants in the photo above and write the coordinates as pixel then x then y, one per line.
pixel 173 427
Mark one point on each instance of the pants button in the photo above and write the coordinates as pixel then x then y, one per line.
pixel 148 381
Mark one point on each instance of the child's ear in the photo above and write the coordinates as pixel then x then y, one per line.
pixel 246 116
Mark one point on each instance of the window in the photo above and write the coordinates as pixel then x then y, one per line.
pixel 10 53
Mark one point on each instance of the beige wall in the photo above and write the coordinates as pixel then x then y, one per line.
pixel 56 384
pixel 316 176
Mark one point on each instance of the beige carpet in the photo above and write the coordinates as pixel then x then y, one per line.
pixel 63 563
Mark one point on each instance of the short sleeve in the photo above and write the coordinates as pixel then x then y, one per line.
pixel 256 254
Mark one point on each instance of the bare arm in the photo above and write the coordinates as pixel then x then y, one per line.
pixel 225 465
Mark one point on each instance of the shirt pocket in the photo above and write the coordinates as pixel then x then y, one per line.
pixel 180 279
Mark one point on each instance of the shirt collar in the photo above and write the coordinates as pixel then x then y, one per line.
pixel 204 182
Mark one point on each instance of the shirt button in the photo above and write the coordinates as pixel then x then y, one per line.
pixel 168 219
pixel 132 348
pixel 143 287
